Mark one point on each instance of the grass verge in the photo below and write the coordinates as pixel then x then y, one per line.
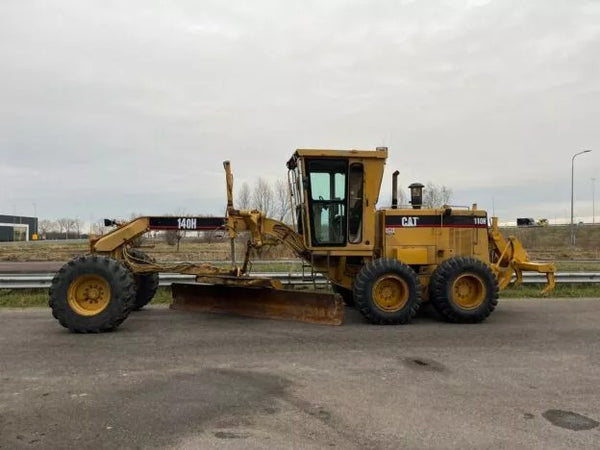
pixel 561 291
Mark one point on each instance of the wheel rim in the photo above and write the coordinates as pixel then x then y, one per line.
pixel 468 291
pixel 390 293
pixel 89 295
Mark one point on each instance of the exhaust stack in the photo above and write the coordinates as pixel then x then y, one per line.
pixel 395 189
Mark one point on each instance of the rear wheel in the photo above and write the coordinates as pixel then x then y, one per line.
pixel 146 283
pixel 91 294
pixel 464 290
pixel 387 292
pixel 346 294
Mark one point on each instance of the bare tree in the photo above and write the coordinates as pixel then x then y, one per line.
pixel 243 197
pixel 263 198
pixel 402 198
pixel 47 226
pixel 76 225
pixel 173 237
pixel 446 195
pixel 282 200
pixel 98 228
pixel 64 225
pixel 436 196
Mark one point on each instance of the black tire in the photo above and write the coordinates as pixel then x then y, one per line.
pixel 463 290
pixel 387 292
pixel 346 294
pixel 146 284
pixel 112 285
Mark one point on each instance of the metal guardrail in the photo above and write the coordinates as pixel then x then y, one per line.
pixel 43 280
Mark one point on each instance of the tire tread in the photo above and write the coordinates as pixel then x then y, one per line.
pixel 439 289
pixel 363 282
pixel 122 294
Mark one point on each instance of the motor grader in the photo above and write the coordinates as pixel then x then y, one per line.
pixel 386 262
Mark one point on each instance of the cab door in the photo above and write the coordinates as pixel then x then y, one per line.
pixel 327 201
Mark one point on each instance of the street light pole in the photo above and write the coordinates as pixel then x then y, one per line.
pixel 572 185
pixel 593 201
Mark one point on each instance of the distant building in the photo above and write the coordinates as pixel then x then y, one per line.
pixel 18 228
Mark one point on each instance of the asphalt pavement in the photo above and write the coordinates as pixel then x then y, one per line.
pixel 526 378
pixel 30 266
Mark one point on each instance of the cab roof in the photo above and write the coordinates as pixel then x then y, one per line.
pixel 379 153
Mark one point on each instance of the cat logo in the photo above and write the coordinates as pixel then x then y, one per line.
pixel 410 221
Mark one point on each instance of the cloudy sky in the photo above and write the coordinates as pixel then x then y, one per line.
pixel 118 107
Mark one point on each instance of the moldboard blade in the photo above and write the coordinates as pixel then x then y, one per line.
pixel 259 302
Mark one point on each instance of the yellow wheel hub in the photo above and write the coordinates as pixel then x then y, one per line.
pixel 468 291
pixel 89 295
pixel 390 293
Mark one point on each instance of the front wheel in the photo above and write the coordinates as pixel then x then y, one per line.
pixel 387 292
pixel 91 294
pixel 464 290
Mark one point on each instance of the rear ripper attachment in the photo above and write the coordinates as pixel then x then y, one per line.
pixel 510 260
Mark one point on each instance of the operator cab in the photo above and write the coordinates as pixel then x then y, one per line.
pixel 328 195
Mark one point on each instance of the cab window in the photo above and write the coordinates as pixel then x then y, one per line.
pixel 327 201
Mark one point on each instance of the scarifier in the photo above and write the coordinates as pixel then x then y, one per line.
pixel 385 262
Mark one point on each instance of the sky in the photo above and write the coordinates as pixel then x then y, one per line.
pixel 113 108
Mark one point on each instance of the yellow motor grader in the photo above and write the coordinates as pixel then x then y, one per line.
pixel 385 262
